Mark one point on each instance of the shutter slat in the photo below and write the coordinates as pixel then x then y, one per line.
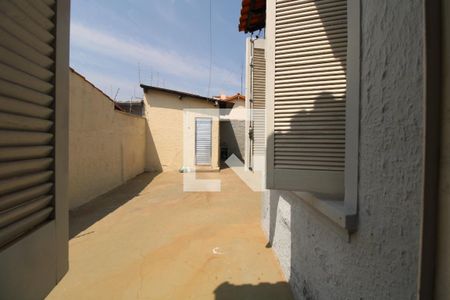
pixel 49 2
pixel 43 8
pixel 23 182
pixel 14 215
pixel 35 15
pixel 309 168
pixel 13 90
pixel 316 13
pixel 312 132
pixel 16 14
pixel 285 107
pixel 10 105
pixel 334 113
pixel 15 230
pixel 313 43
pixel 16 122
pixel 312 126
pixel 19 32
pixel 13 43
pixel 18 153
pixel 21 78
pixel 281 147
pixel 292 5
pixel 314 76
pixel 16 168
pixel 18 138
pixel 300 139
pixel 312 152
pixel 18 62
pixel 18 198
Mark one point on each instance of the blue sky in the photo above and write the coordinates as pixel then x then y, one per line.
pixel 168 39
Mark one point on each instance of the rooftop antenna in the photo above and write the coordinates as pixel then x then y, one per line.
pixel 116 94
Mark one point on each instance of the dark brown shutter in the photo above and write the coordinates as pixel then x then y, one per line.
pixel 26 116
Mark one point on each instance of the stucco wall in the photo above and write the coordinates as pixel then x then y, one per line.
pixel 106 146
pixel 166 131
pixel 381 259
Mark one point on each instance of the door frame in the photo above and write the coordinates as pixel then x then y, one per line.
pixel 432 143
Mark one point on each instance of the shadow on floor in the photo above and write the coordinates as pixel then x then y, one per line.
pixel 89 213
pixel 262 291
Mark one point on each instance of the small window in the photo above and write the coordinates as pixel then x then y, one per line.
pixel 313 102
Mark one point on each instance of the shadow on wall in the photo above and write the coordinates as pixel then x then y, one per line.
pixel 86 215
pixel 262 291
pixel 152 161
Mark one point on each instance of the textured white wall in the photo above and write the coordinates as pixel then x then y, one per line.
pixel 381 260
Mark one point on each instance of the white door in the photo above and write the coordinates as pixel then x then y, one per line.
pixel 203 131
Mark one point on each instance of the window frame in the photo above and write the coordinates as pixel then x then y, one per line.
pixel 342 211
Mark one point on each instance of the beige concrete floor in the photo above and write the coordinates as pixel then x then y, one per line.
pixel 150 240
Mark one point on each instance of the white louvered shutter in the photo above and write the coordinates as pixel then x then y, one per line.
pixel 203 141
pixel 258 104
pixel 309 96
pixel 28 67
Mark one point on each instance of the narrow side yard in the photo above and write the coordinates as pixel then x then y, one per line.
pixel 150 240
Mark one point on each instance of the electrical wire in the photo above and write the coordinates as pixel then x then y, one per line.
pixel 210 48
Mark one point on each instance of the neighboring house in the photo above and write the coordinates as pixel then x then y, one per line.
pixel 133 107
pixel 352 102
pixel 232 126
pixel 106 145
pixel 183 130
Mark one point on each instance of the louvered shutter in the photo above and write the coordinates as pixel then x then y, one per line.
pixel 29 63
pixel 258 104
pixel 308 114
pixel 203 143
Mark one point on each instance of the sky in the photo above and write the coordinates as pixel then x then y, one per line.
pixel 117 44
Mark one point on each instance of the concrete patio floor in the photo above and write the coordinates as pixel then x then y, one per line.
pixel 150 240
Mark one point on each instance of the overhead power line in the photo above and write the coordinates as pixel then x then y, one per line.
pixel 210 48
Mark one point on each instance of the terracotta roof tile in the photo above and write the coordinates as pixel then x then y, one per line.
pixel 253 15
